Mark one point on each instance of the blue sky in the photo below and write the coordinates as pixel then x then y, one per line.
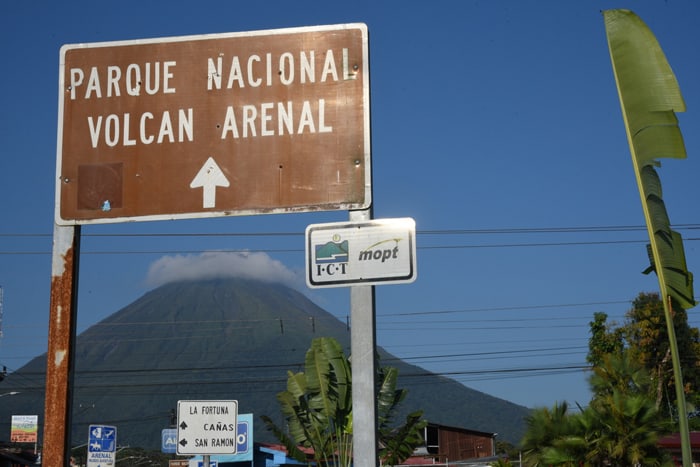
pixel 495 125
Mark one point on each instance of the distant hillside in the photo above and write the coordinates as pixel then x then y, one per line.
pixel 222 339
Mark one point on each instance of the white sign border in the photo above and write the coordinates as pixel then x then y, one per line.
pixel 189 450
pixel 405 222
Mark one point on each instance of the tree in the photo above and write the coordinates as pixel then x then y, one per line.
pixel 396 443
pixel 646 371
pixel 544 428
pixel 132 457
pixel 618 372
pixel 648 340
pixel 622 422
pixel 620 426
pixel 631 375
pixel 603 341
pixel 644 336
pixel 317 407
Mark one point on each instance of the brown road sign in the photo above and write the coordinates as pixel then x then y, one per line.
pixel 214 125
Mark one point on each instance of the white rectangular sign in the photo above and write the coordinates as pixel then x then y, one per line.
pixel 207 427
pixel 368 252
pixel 24 428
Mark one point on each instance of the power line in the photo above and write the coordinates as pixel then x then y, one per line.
pixel 123 383
pixel 506 230
pixel 300 250
pixel 508 308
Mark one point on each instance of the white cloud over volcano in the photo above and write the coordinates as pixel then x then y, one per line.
pixel 216 264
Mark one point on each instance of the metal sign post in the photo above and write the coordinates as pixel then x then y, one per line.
pixel 60 357
pixel 363 346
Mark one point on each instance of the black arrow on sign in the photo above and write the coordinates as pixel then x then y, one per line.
pixel 183 425
pixel 183 442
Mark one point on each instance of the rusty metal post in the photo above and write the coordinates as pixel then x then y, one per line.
pixel 60 358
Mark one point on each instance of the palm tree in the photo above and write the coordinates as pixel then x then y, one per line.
pixel 396 443
pixel 620 372
pixel 628 429
pixel 623 421
pixel 620 427
pixel 317 407
pixel 544 428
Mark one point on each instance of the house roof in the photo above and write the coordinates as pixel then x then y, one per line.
pixel 282 448
pixel 674 440
pixel 464 430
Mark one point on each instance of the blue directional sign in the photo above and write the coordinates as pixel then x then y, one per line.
pixel 169 440
pixel 244 434
pixel 102 446
pixel 102 438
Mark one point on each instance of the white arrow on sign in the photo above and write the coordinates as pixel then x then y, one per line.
pixel 209 177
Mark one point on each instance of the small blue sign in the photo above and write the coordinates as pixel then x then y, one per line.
pixel 242 436
pixel 102 438
pixel 169 440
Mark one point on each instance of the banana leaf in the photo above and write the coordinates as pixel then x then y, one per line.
pixel 649 97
